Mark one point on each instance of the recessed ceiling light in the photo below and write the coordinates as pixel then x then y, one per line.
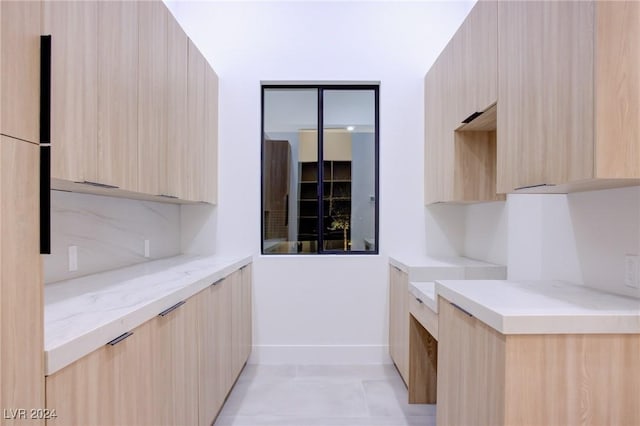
pixel 350 128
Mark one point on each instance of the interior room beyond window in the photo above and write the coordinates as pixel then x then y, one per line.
pixel 313 209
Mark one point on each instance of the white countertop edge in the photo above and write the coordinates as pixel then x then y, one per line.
pixel 447 267
pixel 427 299
pixel 73 349
pixel 400 265
pixel 547 323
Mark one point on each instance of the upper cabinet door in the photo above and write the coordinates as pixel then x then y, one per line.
pixel 440 119
pixel 153 88
pixel 211 136
pixel 617 89
pixel 73 26
pixel 177 57
pixel 545 88
pixel 193 167
pixel 460 165
pixel 118 94
pixel 20 69
pixel 478 68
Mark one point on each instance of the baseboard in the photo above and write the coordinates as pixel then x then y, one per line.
pixel 320 354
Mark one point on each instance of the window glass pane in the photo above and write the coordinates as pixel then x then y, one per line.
pixel 349 170
pixel 289 171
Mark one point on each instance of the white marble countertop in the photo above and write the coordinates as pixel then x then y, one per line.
pixel 542 307
pixel 426 292
pixel 85 313
pixel 428 268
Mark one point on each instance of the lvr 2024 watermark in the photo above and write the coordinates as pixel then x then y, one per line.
pixel 28 413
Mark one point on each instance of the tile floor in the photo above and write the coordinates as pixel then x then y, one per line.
pixel 307 395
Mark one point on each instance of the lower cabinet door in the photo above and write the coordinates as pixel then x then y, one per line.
pixel 247 318
pixel 214 337
pixel 110 386
pixel 399 320
pixel 175 366
pixel 471 370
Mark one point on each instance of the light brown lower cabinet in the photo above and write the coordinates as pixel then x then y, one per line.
pixel 175 369
pixel 110 386
pixel 399 320
pixel 224 327
pixel 214 328
pixel 175 365
pixel 241 319
pixel 423 353
pixel 487 378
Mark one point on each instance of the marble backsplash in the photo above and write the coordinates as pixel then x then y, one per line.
pixel 108 233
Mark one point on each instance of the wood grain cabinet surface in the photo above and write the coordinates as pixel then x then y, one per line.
pixel 399 320
pixel 177 57
pixel 175 365
pixel 487 378
pixel 210 172
pixel 20 30
pixel 460 161
pixel 113 385
pixel 118 94
pixel 214 329
pixel 569 97
pixel 74 88
pixel 153 91
pixel 176 368
pixel 556 86
pixel 134 103
pixel 21 281
pixel 193 166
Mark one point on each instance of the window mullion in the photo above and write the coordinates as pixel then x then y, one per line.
pixel 320 191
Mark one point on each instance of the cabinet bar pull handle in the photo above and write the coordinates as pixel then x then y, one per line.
pixel 534 186
pixel 167 196
pixel 171 309
pixel 217 282
pixel 459 308
pixel 45 144
pixel 100 185
pixel 419 300
pixel 120 338
pixel 472 117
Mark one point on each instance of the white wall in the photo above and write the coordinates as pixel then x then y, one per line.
pixel 607 227
pixel 340 301
pixel 581 237
pixel 108 232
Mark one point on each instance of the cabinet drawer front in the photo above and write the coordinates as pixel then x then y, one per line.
pixel 424 315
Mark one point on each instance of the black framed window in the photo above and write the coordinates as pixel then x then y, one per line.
pixel 320 156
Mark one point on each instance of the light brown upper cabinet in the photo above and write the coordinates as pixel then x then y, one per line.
pixel 133 106
pixel 177 109
pixel 20 70
pixel 460 124
pixel 475 61
pixel 153 89
pixel 210 172
pixel 74 91
pixel 118 94
pixel 568 95
pixel 193 162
